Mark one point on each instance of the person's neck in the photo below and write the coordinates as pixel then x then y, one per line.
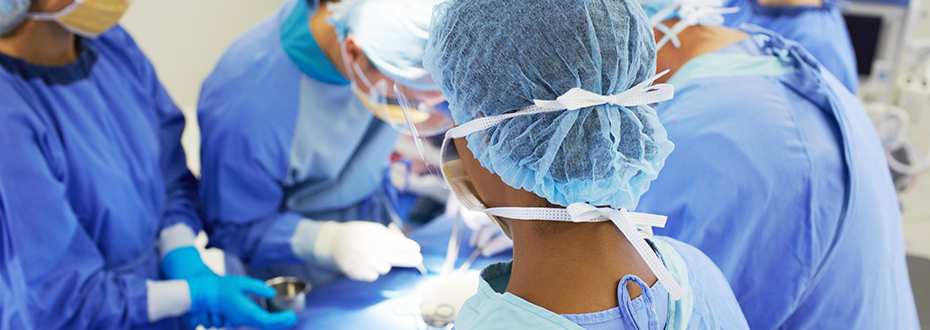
pixel 695 41
pixel 40 43
pixel 573 268
pixel 326 38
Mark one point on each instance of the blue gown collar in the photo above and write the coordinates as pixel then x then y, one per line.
pixel 301 47
pixel 809 80
pixel 66 74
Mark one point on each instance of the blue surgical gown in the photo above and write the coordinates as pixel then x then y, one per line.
pixel 779 177
pixel 285 139
pixel 92 170
pixel 821 30
pixel 708 304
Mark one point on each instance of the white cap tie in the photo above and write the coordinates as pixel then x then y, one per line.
pixel 641 94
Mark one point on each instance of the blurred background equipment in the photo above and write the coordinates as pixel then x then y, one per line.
pixel 891 39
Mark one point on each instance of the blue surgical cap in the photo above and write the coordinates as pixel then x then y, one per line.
pixel 391 33
pixel 492 57
pixel 12 13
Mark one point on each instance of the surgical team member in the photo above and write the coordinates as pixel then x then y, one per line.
pixel 779 177
pixel 94 190
pixel 297 120
pixel 818 25
pixel 551 96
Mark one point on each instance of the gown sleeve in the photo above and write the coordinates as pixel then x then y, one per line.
pixel 61 265
pixel 245 157
pixel 183 201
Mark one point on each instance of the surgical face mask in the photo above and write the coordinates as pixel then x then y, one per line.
pixel 705 12
pixel 430 118
pixel 87 18
pixel 634 226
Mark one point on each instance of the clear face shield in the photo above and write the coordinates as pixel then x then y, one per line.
pixel 427 122
pixel 429 110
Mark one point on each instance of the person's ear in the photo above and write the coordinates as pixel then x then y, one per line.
pixel 354 53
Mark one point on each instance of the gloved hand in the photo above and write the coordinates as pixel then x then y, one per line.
pixel 185 263
pixel 485 234
pixel 224 299
pixel 365 250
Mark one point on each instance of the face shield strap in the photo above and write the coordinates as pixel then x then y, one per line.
pixel 54 16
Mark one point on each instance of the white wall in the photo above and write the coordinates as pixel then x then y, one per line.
pixel 184 39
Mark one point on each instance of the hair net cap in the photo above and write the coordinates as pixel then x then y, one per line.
pixel 12 13
pixel 492 57
pixel 391 33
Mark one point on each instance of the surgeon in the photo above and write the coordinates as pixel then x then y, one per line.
pixel 778 176
pixel 97 208
pixel 298 120
pixel 818 25
pixel 555 141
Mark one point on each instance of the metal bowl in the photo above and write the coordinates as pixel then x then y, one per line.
pixel 291 294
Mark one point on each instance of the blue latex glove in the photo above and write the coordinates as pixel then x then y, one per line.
pixel 184 263
pixel 227 298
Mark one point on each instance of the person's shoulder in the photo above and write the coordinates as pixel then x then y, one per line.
pixel 116 42
pixel 503 313
pixel 16 95
pixel 119 54
pixel 690 254
pixel 735 106
pixel 715 306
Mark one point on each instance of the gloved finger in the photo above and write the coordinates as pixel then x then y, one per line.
pixel 249 314
pixel 400 243
pixel 282 320
pixel 254 286
pixel 364 275
pixel 380 266
pixel 497 245
pixel 394 228
pixel 402 259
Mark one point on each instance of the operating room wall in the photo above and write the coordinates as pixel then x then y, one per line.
pixel 184 39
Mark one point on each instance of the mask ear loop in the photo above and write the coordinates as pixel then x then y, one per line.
pixel 55 15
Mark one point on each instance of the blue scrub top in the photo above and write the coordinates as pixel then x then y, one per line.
pixel 779 177
pixel 92 170
pixel 821 30
pixel 285 139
